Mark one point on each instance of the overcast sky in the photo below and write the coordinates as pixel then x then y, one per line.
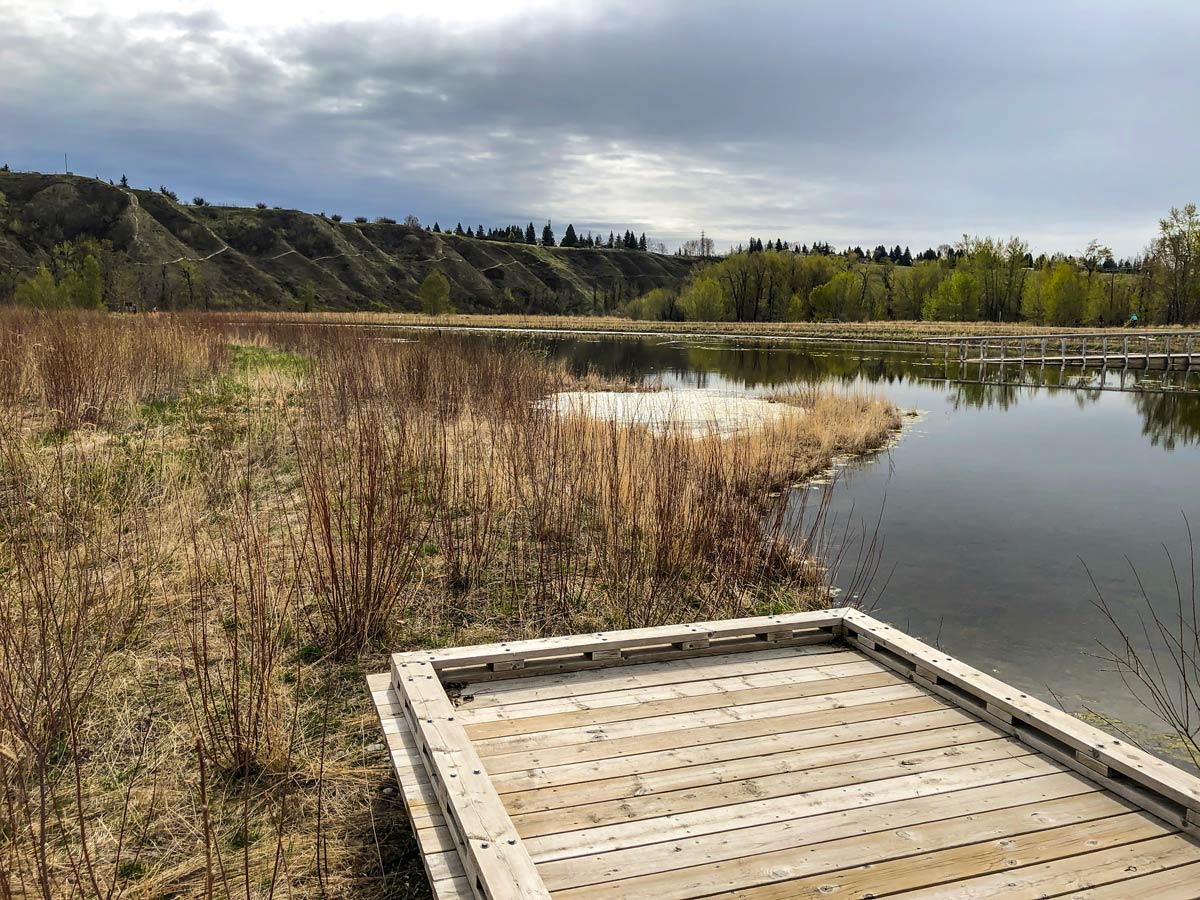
pixel 856 123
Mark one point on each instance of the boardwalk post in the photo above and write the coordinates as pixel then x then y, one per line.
pixel 1043 351
pixel 1064 351
pixel 1127 352
pixel 1146 345
pixel 1167 343
pixel 1104 352
pixel 1002 345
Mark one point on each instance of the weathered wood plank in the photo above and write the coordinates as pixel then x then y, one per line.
pixel 636 694
pixel 745 770
pixel 1180 883
pixel 513 691
pixel 713 699
pixel 705 733
pixel 601 839
pixel 1071 872
pixel 722 751
pixel 541 648
pixel 632 862
pixel 669 803
pixel 491 850
pixel 1026 866
pixel 437 846
pixel 1003 833
pixel 583 734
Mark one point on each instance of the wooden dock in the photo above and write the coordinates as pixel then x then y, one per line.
pixel 807 755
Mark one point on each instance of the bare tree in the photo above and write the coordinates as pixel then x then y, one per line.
pixel 1157 652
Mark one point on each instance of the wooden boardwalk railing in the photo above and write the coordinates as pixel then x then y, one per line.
pixel 1167 349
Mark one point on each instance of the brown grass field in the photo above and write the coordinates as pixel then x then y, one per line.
pixel 845 331
pixel 210 532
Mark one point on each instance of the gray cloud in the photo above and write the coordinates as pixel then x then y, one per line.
pixel 877 123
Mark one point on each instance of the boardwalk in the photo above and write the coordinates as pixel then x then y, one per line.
pixel 814 755
pixel 1172 349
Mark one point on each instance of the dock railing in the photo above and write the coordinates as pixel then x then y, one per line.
pixel 1142 349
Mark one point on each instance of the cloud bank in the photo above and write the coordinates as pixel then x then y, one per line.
pixel 873 123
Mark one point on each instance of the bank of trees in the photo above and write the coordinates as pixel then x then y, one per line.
pixel 76 280
pixel 979 278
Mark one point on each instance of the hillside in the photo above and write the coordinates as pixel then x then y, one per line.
pixel 280 258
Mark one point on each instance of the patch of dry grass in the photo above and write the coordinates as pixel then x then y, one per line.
pixel 832 331
pixel 204 547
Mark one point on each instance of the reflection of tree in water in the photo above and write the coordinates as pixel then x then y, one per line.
pixel 750 365
pixel 1169 419
pixel 973 395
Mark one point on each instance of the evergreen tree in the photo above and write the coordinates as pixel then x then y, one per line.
pixel 642 241
pixel 479 232
pixel 530 234
pixel 458 229
pixel 569 238
pixel 124 182
pixel 547 236
pixel 611 240
pixel 906 258
pixel 436 228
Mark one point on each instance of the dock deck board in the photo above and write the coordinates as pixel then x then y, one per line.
pixel 811 769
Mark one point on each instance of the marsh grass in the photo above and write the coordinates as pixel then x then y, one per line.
pixel 210 532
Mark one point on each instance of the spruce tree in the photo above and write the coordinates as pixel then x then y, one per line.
pixel 436 228
pixel 547 236
pixel 530 234
pixel 611 240
pixel 458 229
pixel 642 241
pixel 569 238
pixel 124 181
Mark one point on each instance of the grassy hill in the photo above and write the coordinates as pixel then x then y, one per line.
pixel 284 258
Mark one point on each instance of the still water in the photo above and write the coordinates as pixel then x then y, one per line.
pixel 994 504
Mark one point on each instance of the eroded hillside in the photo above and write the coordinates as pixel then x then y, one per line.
pixel 157 252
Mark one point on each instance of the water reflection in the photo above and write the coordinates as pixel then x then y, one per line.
pixel 1167 401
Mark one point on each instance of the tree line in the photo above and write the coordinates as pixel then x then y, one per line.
pixel 516 234
pixel 976 279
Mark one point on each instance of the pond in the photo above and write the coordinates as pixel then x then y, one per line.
pixel 993 507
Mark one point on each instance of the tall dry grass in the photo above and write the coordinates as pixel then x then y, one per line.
pixel 92 368
pixel 74 564
pixel 208 531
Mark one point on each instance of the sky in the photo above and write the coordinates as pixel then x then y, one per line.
pixel 855 123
